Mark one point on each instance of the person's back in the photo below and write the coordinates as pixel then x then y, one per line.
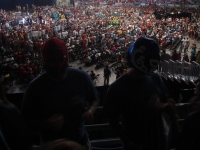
pixel 138 97
pixel 141 125
pixel 54 103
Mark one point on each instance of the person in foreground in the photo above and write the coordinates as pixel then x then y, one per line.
pixel 54 103
pixel 14 133
pixel 189 137
pixel 140 97
pixel 61 144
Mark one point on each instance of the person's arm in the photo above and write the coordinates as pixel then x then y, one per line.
pixel 92 99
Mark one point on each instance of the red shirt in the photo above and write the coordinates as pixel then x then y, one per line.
pixel 39 45
pixel 175 56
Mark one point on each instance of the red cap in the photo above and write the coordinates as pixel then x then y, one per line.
pixel 55 54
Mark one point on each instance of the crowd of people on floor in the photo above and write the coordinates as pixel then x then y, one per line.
pixel 58 103
pixel 93 35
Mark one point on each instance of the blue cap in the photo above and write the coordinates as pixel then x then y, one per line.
pixel 144 55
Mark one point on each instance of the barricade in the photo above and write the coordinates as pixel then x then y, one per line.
pixel 188 72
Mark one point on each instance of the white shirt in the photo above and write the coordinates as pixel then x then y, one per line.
pixel 103 36
pixel 58 28
pixel 59 35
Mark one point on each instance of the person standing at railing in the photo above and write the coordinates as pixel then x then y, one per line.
pixel 193 53
pixel 198 57
pixel 163 57
pixel 175 56
pixel 185 57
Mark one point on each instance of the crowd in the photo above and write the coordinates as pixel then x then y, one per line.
pixel 93 35
pixel 59 102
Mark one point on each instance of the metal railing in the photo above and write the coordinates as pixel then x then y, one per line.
pixel 185 71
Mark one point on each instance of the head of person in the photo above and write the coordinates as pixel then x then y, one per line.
pixel 61 144
pixel 143 55
pixel 55 57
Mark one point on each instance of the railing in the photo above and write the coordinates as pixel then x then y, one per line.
pixel 188 72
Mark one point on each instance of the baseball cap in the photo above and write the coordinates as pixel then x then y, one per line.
pixel 55 55
pixel 144 55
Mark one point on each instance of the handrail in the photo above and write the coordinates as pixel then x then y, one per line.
pixel 181 71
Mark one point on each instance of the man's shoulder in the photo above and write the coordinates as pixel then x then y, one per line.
pixel 38 80
pixel 118 84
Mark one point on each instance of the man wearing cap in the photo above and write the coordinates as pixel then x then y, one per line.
pixel 54 103
pixel 139 97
